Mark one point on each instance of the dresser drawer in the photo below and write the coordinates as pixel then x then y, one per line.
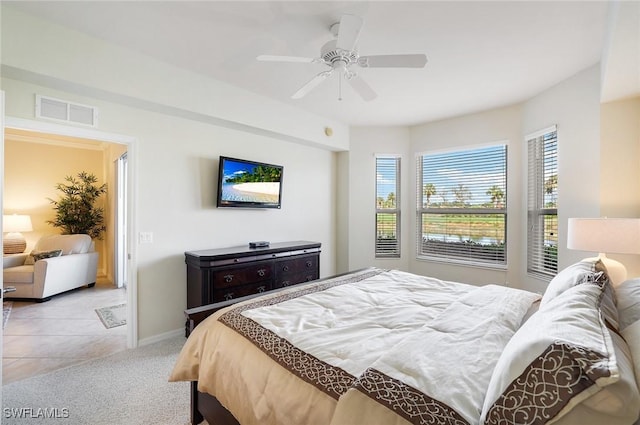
pixel 296 270
pixel 240 291
pixel 241 275
pixel 296 265
pixel 288 279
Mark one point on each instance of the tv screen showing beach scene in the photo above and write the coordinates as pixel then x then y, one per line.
pixel 244 183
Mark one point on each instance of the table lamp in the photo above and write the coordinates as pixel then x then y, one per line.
pixel 13 241
pixel 606 235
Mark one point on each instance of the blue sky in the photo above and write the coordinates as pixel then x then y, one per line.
pixel 478 169
pixel 232 167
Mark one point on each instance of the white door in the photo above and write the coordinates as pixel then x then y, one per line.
pixel 122 251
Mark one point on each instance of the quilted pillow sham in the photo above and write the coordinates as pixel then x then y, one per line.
pixel 565 366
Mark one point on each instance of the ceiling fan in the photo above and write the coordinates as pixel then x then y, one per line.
pixel 340 55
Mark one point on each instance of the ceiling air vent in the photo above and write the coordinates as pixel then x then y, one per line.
pixel 61 110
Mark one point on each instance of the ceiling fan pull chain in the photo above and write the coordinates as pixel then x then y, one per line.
pixel 340 86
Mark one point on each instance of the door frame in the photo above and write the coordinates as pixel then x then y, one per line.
pixel 132 144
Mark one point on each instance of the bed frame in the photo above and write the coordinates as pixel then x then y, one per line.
pixel 203 405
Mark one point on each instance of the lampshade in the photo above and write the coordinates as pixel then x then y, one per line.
pixel 606 235
pixel 13 242
pixel 16 223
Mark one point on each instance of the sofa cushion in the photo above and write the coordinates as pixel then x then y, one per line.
pixel 19 274
pixel 69 244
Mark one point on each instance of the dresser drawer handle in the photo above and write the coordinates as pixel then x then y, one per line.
pixel 262 272
pixel 228 296
pixel 262 288
pixel 309 263
pixel 285 269
pixel 286 283
pixel 228 278
pixel 309 278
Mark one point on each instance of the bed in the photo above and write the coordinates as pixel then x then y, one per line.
pixel 386 347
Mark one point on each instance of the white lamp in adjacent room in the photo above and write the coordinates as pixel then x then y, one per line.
pixel 13 241
pixel 606 235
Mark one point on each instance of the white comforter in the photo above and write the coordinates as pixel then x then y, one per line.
pixel 376 347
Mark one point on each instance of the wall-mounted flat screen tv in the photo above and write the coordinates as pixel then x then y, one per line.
pixel 249 184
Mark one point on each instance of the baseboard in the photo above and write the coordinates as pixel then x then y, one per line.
pixel 160 337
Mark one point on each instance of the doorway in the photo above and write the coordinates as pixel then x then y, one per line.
pixel 125 211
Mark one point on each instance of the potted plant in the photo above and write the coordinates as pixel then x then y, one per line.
pixel 75 210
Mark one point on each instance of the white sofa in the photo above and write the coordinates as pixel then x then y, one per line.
pixel 76 266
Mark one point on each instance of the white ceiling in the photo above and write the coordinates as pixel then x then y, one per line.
pixel 481 54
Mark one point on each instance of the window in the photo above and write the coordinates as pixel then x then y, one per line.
pixel 542 203
pixel 387 206
pixel 462 198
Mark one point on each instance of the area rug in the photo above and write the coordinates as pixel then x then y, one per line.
pixel 6 311
pixel 115 315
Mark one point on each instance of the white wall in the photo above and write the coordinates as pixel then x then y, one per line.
pixel 574 105
pixel 360 178
pixel 179 138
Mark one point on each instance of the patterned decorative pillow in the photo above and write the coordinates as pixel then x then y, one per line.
pixel 565 366
pixel 35 256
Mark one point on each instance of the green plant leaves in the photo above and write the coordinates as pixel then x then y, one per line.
pixel 75 210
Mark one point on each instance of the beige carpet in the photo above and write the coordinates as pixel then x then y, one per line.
pixel 130 387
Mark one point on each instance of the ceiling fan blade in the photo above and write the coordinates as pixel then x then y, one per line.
pixel 348 32
pixel 313 83
pixel 362 88
pixel 393 61
pixel 273 58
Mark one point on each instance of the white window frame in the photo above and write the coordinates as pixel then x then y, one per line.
pixel 386 249
pixel 479 255
pixel 542 228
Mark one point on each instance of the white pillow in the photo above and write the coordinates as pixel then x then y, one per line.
pixel 628 296
pixel 564 365
pixel 632 335
pixel 569 277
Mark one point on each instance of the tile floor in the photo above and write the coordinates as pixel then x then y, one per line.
pixel 42 337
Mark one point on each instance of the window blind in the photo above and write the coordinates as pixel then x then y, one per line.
pixel 387 207
pixel 542 204
pixel 462 205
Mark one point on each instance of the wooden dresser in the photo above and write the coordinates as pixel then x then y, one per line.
pixel 216 275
